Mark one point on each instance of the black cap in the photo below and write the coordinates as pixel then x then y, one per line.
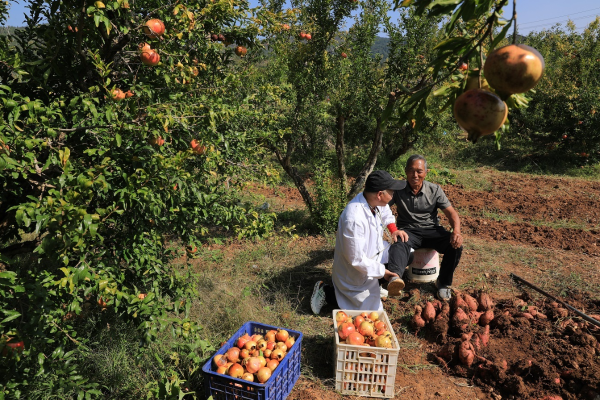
pixel 381 180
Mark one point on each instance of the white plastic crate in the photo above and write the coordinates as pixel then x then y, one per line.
pixel 362 370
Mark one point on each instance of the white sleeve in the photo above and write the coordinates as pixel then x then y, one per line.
pixel 354 239
pixel 386 216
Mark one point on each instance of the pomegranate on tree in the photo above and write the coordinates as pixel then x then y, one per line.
pixel 154 28
pixel 150 58
pixel 479 113
pixel 515 68
pixel 241 51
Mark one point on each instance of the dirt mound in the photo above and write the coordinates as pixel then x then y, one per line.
pixel 538 236
pixel 522 349
pixel 529 203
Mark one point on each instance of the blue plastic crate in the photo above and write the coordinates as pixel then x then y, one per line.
pixel 278 387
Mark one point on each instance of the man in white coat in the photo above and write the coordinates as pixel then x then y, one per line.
pixel 360 251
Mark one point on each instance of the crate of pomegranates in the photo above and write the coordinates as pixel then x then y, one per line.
pixel 366 353
pixel 259 362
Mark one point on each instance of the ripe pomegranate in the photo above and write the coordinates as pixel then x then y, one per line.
pixel 129 94
pixel 117 94
pixel 256 338
pixel 358 320
pixel 374 316
pixel 383 341
pixel 150 58
pixel 302 35
pixel 285 27
pixel 282 335
pixel 263 361
pixel 355 339
pixel 564 136
pixel 271 345
pixel 282 346
pixel 267 353
pixel 263 374
pixel 244 354
pixel 154 28
pixel 366 328
pixel 144 47
pixel 250 345
pixel 341 317
pixel 233 354
pixel 272 364
pixel 277 354
pixel 344 55
pixel 290 342
pixel 242 340
pixel 345 329
pixel 479 113
pixel 248 377
pixel 241 51
pixel 236 370
pixel 197 147
pixel 308 36
pixel 270 336
pixel 261 345
pixel 364 314
pixel 379 325
pixel 463 67
pixel 220 360
pixel 223 369
pixel 253 365
pixel 514 68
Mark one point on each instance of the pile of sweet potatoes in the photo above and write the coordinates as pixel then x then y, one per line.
pixel 464 317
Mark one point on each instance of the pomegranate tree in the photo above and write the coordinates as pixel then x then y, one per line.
pixel 515 68
pixel 479 113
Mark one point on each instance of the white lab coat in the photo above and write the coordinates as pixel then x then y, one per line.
pixel 360 252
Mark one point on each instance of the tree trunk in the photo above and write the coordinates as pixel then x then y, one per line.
pixel 340 152
pixel 375 149
pixel 286 164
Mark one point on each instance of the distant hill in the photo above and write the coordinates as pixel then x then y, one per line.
pixel 381 46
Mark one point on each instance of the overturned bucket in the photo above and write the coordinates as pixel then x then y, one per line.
pixel 425 266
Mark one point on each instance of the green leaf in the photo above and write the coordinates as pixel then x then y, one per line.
pixel 500 36
pixel 118 139
pixel 11 315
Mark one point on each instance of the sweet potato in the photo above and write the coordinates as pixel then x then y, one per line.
pixel 474 316
pixel 460 320
pixel 458 302
pixel 428 313
pixel 539 315
pixel 466 336
pixel 554 304
pixel 417 321
pixel 437 305
pixel 485 302
pixel 486 318
pixel 484 336
pixel 447 352
pixel 466 353
pixel 471 302
pixel 477 342
pixel 445 312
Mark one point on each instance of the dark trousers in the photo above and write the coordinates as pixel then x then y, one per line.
pixel 436 238
pixel 330 296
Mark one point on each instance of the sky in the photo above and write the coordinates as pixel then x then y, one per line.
pixel 533 15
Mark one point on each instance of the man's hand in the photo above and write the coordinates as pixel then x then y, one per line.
pixel 389 275
pixel 456 240
pixel 400 234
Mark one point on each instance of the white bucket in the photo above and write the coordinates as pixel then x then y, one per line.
pixel 425 266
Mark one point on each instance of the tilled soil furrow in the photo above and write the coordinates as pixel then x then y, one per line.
pixel 529 205
pixel 539 236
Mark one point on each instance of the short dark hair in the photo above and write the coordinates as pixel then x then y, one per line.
pixel 413 158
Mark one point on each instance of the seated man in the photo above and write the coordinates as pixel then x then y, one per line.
pixel 417 206
pixel 360 251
